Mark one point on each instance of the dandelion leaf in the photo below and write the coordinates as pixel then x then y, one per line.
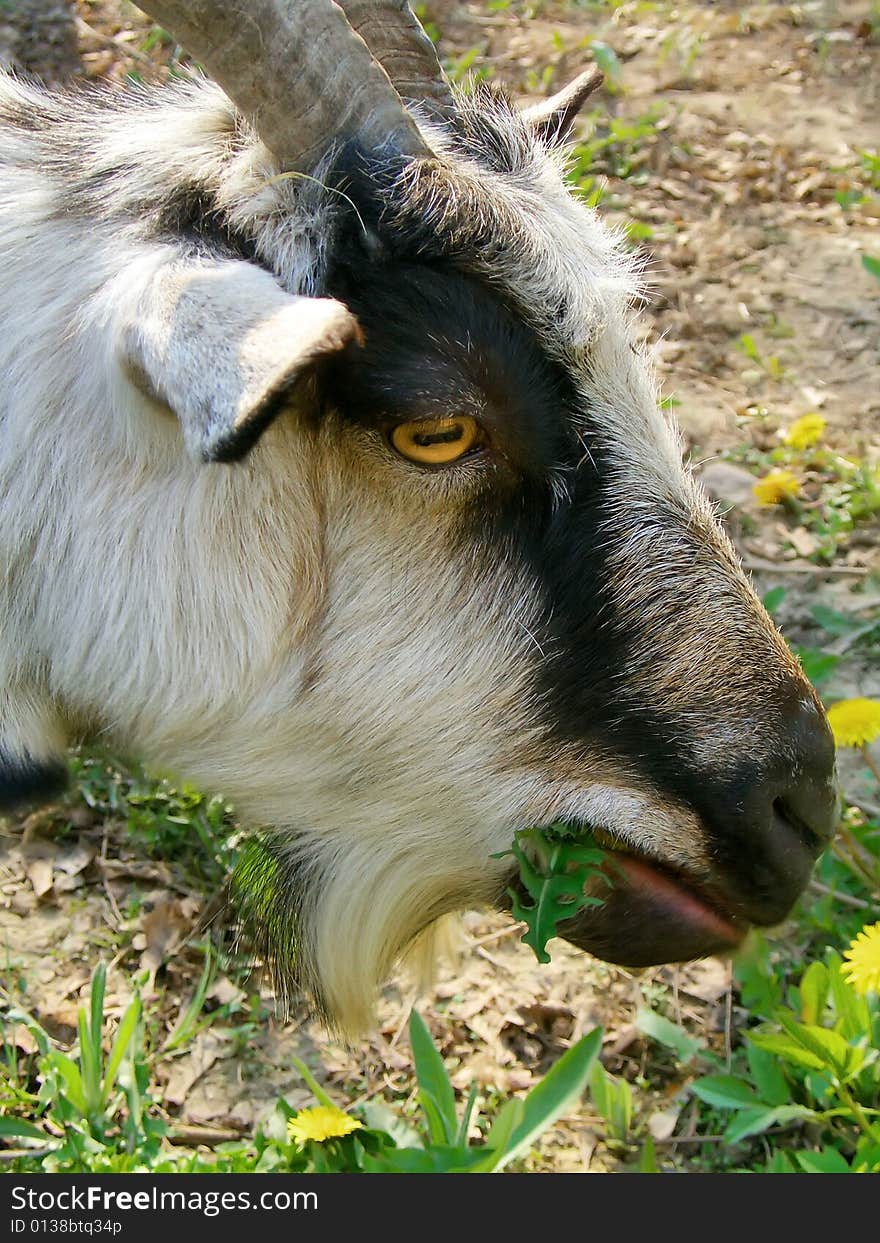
pixel 554 872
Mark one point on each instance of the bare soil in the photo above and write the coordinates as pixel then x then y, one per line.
pixel 760 112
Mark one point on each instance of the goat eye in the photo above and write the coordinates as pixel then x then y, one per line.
pixel 436 442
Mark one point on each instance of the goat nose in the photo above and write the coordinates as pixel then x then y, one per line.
pixel 808 801
pixel 779 818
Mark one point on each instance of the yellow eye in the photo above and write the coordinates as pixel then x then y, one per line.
pixel 436 442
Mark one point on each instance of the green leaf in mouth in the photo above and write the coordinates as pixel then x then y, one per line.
pixel 555 864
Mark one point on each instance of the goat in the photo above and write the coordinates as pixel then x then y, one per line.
pixel 332 477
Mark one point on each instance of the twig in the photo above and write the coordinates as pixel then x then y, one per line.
pixel 773 567
pixel 15 1154
pixel 111 41
pixel 207 1136
pixel 862 856
pixel 714 1139
pixel 496 962
pixel 853 863
pixel 383 1086
pixel 117 914
pixel 816 886
pixel 511 930
pixel 845 642
pixel 870 761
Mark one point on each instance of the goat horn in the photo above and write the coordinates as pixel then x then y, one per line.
pixel 399 43
pixel 554 117
pixel 297 71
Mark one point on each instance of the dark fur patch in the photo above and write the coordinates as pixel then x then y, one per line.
pixel 487 127
pixel 440 343
pixel 190 213
pixel 235 444
pixel 588 706
pixel 25 781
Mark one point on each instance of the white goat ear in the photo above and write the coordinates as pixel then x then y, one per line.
pixel 223 346
pixel 552 118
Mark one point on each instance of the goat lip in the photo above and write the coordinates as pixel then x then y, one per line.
pixel 651 916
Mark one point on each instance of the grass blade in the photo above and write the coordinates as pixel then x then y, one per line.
pixel 433 1080
pixel 549 1099
pixel 73 1084
pixel 120 1045
pixel 186 1023
pixel 467 1117
pixel 312 1084
pixel 507 1121
pixel 14 1128
pixel 90 1075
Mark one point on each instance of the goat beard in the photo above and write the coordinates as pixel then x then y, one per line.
pixel 295 903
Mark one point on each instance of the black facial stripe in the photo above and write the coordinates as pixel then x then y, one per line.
pixel 439 344
pixel 583 702
pixel 586 643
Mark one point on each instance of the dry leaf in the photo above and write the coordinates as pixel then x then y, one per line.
pixel 225 992
pixel 708 979
pixel 803 541
pixel 22 1038
pixel 74 859
pixel 201 1055
pixel 163 928
pixel 43 861
pixel 663 1123
pixel 38 870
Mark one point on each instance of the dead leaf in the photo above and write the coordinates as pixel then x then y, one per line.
pixel 49 866
pixel 23 1039
pixel 23 902
pixel 39 871
pixel 708 979
pixel 554 1021
pixel 75 859
pixel 202 1053
pixel 226 993
pixel 662 1123
pixel 803 541
pixel 163 928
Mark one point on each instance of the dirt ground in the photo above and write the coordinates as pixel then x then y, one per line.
pixel 757 114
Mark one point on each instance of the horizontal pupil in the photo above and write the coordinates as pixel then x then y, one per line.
pixel 424 439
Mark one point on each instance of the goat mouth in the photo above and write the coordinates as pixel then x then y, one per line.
pixel 651 913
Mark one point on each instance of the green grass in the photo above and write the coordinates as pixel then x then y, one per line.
pixel 94 1109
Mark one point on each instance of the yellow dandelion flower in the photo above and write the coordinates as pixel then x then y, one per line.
pixel 321 1122
pixel 806 431
pixel 776 487
pixel 855 722
pixel 862 968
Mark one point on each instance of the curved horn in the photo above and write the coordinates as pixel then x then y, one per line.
pixel 297 71
pixel 552 118
pixel 399 43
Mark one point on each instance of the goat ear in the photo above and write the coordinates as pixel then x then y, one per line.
pixel 224 347
pixel 553 118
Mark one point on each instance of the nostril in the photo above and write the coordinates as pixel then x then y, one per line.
pixel 807 799
pixel 783 810
pixel 810 808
